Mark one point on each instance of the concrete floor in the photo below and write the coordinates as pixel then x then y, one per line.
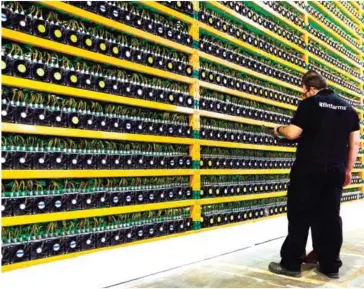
pixel 248 268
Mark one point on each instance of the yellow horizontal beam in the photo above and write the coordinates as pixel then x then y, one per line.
pixel 338 86
pixel 254 220
pixel 248 71
pixel 70 132
pixel 333 67
pixel 66 132
pixel 236 118
pixel 253 24
pixel 93 56
pixel 348 13
pixel 244 171
pixel 83 14
pixel 249 47
pixel 335 51
pixel 354 186
pixel 168 11
pixel 246 146
pixel 358 170
pixel 333 33
pixel 241 223
pixel 279 16
pixel 355 4
pixel 56 174
pixel 20 265
pixel 60 216
pixel 237 93
pixel 26 264
pixel 81 93
pixel 297 7
pixel 337 19
pixel 209 201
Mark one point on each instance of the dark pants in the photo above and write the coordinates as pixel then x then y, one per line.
pixel 313 200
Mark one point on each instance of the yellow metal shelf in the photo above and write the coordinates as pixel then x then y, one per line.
pixel 249 47
pixel 355 4
pixel 354 186
pixel 72 10
pixel 241 223
pixel 210 201
pixel 279 16
pixel 333 67
pixel 98 212
pixel 248 71
pixel 168 11
pixel 236 118
pixel 246 146
pixel 20 265
pixel 253 24
pixel 347 12
pixel 243 171
pixel 337 20
pixel 195 174
pixel 335 51
pixel 298 8
pixel 56 174
pixel 76 92
pixel 358 170
pixel 333 33
pixel 26 264
pixel 61 216
pixel 338 86
pixel 237 93
pixel 93 56
pixel 70 132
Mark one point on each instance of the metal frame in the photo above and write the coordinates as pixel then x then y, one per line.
pixel 195 28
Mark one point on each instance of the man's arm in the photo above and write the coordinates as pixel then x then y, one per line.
pixel 354 145
pixel 299 122
pixel 290 132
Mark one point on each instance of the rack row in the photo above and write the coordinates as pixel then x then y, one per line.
pixel 125 122
pixel 44 242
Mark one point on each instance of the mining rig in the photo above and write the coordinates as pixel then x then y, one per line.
pixel 126 121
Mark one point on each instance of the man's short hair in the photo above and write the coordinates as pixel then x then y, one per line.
pixel 314 79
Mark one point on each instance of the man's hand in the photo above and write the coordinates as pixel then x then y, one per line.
pixel 347 178
pixel 290 132
pixel 276 131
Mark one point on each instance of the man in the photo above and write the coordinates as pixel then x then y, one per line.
pixel 328 133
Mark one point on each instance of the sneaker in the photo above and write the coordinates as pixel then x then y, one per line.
pixel 277 268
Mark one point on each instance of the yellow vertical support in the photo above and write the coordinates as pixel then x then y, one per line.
pixel 194 30
pixel 361 44
pixel 196 6
pixel 196 215
pixel 195 179
pixel 361 86
pixel 305 37
pixel 195 60
pixel 361 158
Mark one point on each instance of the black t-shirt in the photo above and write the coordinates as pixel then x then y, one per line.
pixel 326 121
